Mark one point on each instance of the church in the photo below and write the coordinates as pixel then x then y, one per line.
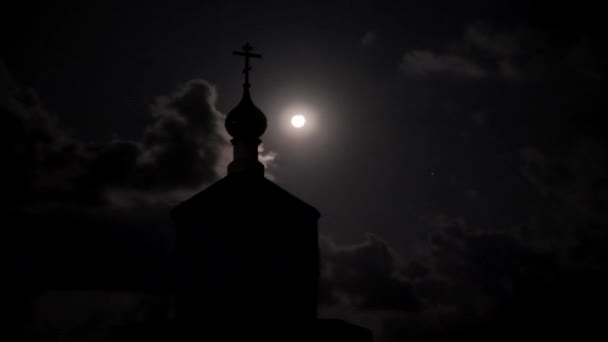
pixel 248 253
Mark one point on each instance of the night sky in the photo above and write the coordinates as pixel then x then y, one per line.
pixel 456 152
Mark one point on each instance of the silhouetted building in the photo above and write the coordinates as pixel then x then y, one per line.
pixel 249 251
pixel 248 248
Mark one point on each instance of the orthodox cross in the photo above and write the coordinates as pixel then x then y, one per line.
pixel 247 54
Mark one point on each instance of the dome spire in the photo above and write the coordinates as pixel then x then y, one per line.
pixel 246 123
pixel 247 48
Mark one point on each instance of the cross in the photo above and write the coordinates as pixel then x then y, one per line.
pixel 247 54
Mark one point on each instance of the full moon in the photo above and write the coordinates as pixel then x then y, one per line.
pixel 298 121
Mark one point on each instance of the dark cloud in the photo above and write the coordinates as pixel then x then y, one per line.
pixel 183 148
pixel 572 187
pixel 368 276
pixel 511 54
pixel 185 142
pixel 577 178
pixel 368 38
pixel 486 282
pixel 481 284
pixel 483 38
pixel 423 63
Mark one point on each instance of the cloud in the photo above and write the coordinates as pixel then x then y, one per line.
pixel 183 148
pixel 513 54
pixel 572 188
pixel 366 282
pixel 501 44
pixel 185 140
pixel 491 280
pixel 368 38
pixel 268 159
pixel 465 281
pixel 576 178
pixel 474 281
pixel 478 282
pixel 425 63
pixel 368 276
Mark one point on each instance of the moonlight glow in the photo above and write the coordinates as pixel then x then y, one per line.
pixel 298 121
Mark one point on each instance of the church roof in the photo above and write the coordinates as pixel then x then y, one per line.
pixel 248 192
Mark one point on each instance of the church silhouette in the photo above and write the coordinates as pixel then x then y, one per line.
pixel 248 254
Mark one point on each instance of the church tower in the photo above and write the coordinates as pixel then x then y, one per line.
pixel 248 250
